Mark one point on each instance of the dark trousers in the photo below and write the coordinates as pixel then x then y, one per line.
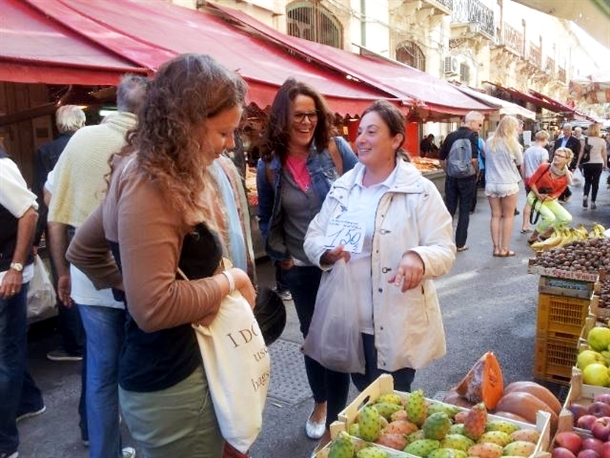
pixel 326 385
pixel 592 173
pixel 459 192
pixel 281 283
pixel 18 392
pixel 402 377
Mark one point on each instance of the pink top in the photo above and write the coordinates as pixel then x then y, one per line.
pixel 298 169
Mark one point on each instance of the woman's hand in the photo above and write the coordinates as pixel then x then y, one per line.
pixel 331 256
pixel 410 272
pixel 244 285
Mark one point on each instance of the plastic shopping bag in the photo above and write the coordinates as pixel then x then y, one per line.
pixel 41 295
pixel 334 339
pixel 577 178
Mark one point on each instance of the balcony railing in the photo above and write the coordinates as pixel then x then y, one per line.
pixel 561 74
pixel 446 3
pixel 535 55
pixel 474 12
pixel 550 65
pixel 512 39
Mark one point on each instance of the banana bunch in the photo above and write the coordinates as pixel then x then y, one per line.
pixel 597 231
pixel 552 242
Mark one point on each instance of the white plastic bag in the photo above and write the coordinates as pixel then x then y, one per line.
pixel 577 179
pixel 238 370
pixel 334 339
pixel 41 295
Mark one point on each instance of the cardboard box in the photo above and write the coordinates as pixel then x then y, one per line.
pixel 559 273
pixel 566 287
pixel 385 385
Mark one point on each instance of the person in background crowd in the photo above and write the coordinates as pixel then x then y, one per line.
pixel 161 191
pixel 567 140
pixel 76 191
pixel 533 157
pixel 480 174
pixel 19 395
pixel 608 156
pixel 459 191
pixel 427 148
pixel 68 119
pixel 592 170
pixel 503 157
pixel 546 185
pixel 408 242
pixel 299 161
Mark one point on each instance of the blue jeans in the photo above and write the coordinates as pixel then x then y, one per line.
pixel 18 392
pixel 460 191
pixel 104 329
pixel 326 385
pixel 402 377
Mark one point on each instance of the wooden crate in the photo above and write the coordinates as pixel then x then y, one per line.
pixel 554 358
pixel 582 393
pixel 595 309
pixel 385 385
pixel 561 314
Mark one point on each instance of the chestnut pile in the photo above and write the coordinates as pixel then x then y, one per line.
pixel 594 417
pixel 589 255
pixel 604 294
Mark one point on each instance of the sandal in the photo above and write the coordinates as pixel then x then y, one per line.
pixel 462 248
pixel 506 254
pixel 496 251
pixel 525 231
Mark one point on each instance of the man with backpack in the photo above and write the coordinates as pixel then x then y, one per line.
pixel 459 159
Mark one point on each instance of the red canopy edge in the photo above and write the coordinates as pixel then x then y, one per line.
pixel 561 105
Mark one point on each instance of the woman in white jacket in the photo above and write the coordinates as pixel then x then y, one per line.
pixel 408 242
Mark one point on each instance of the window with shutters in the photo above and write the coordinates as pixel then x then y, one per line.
pixel 313 22
pixel 411 54
pixel 464 73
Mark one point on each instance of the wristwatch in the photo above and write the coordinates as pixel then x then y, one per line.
pixel 17 266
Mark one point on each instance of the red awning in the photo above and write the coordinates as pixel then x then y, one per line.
pixel 115 36
pixel 562 106
pixel 436 96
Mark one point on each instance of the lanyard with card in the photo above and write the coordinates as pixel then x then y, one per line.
pixel 348 233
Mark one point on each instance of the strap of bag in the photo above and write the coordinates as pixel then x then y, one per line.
pixel 534 214
pixel 335 155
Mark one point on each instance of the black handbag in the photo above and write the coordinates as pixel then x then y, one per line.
pixel 586 155
pixel 270 313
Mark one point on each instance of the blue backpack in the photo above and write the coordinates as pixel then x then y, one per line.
pixel 459 159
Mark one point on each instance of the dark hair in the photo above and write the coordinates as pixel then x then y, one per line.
pixel 130 93
pixel 393 118
pixel 277 133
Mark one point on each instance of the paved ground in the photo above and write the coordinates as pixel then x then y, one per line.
pixel 488 304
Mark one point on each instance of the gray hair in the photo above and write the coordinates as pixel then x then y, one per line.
pixel 131 92
pixel 472 116
pixel 566 125
pixel 69 118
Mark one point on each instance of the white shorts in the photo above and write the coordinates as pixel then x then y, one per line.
pixel 501 189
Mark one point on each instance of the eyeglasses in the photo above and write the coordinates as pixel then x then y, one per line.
pixel 299 117
pixel 561 156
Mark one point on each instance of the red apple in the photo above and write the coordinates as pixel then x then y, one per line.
pixel 588 454
pixel 605 450
pixel 586 421
pixel 569 440
pixel 592 443
pixel 561 452
pixel 578 410
pixel 599 409
pixel 603 397
pixel 601 428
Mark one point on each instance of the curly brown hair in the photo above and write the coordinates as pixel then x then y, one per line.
pixel 185 92
pixel 277 133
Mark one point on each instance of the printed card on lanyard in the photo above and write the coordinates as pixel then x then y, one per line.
pixel 344 232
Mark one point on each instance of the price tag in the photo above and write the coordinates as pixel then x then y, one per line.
pixel 350 234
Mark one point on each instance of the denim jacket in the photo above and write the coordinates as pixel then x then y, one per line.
pixel 270 213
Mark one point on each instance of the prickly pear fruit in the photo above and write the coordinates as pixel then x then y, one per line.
pixel 460 417
pixel 520 448
pixel 354 430
pixel 447 453
pixel 475 422
pixel 486 450
pixel 392 398
pixel 457 428
pixel 371 452
pixel 501 425
pixel 495 437
pixel 400 427
pixel 386 409
pixel 436 426
pixel 399 415
pixel 341 447
pixel 393 440
pixel 527 435
pixel 449 409
pixel 416 407
pixel 369 423
pixel 422 447
pixel 457 441
pixel 415 436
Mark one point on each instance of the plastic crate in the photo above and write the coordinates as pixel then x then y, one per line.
pixel 554 358
pixel 561 314
pixel 566 287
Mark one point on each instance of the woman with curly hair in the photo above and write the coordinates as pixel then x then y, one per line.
pixel 503 161
pixel 163 207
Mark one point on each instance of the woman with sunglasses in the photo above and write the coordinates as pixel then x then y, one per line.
pixel 299 162
pixel 547 183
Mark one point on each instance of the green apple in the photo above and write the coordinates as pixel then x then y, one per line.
pixel 599 338
pixel 587 357
pixel 596 374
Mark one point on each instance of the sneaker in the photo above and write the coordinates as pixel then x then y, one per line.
pixel 9 454
pixel 129 452
pixel 585 203
pixel 62 355
pixel 593 206
pixel 31 414
pixel 283 293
